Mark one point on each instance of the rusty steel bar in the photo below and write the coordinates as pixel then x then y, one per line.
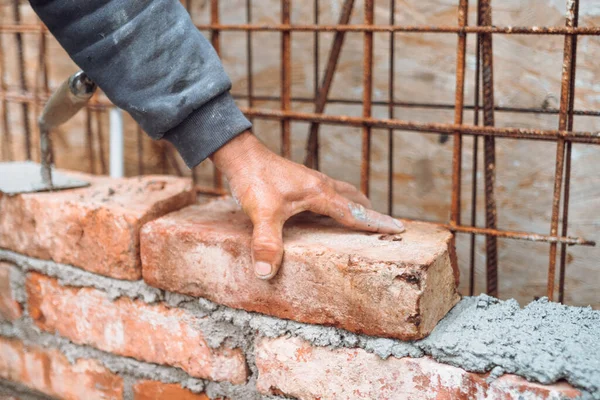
pixel 250 92
pixel 391 83
pixel 412 104
pixel 140 149
pixel 430 127
pixel 508 132
pixel 463 10
pixel 565 91
pixel 7 136
pixel 569 145
pixel 313 149
pixel 365 166
pixel 502 30
pixel 41 83
pixel 517 235
pixel 286 81
pixel 322 93
pixel 215 40
pixel 489 151
pixel 475 162
pixel 22 78
pixel 18 97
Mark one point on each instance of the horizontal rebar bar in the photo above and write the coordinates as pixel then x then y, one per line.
pixel 15 97
pixel 504 30
pixel 508 132
pixel 523 133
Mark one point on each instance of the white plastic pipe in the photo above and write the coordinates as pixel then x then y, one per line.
pixel 117 160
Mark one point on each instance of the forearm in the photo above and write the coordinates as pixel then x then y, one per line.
pixel 151 61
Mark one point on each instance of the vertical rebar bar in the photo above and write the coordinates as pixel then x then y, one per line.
pixel 313 151
pixel 367 98
pixel 22 79
pixel 286 83
pixel 567 189
pixel 250 86
pixel 463 9
pixel 312 147
pixel 475 162
pixel 7 153
pixel 215 40
pixel 566 90
pixel 391 82
pixel 463 12
pixel 489 150
pixel 140 150
pixel 38 87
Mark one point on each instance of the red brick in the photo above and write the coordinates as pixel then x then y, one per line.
pixel 153 390
pixel 94 228
pixel 48 371
pixel 292 367
pixel 10 309
pixel 398 286
pixel 152 333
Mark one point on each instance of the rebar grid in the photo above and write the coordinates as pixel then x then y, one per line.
pixel 484 32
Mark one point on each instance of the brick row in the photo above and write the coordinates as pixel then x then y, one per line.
pixel 152 333
pixel 94 228
pixel 293 367
pixel 48 371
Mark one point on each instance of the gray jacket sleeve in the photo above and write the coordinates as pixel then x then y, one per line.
pixel 151 61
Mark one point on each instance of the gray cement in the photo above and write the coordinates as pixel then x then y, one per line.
pixel 73 276
pixel 544 342
pixel 25 177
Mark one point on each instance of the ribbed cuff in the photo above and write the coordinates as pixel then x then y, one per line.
pixel 208 128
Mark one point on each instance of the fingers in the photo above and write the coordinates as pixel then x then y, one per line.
pixel 267 248
pixel 351 192
pixel 355 215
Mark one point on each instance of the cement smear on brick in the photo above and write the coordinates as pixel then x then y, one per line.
pixel 544 342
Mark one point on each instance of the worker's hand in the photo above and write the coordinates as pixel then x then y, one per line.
pixel 271 189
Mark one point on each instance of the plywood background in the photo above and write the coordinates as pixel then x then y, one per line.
pixel 527 74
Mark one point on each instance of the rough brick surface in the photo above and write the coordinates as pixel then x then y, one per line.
pixel 153 390
pixel 48 371
pixel 292 367
pixel 10 309
pixel 152 333
pixel 396 286
pixel 94 228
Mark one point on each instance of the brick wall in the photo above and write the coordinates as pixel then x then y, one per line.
pixel 128 290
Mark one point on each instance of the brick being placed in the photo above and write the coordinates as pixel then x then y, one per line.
pixel 95 228
pixel 397 286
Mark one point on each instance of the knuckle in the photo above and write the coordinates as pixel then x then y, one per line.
pixel 266 245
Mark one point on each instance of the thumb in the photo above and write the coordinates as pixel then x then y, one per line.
pixel 267 248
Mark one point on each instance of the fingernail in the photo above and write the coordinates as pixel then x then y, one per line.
pixel 399 225
pixel 262 269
